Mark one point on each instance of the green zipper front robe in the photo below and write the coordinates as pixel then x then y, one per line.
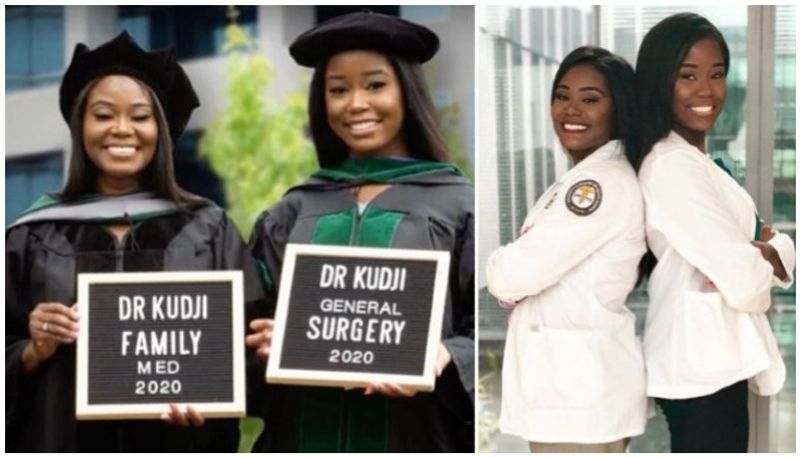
pixel 432 209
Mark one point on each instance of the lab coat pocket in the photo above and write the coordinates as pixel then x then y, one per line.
pixel 712 345
pixel 563 369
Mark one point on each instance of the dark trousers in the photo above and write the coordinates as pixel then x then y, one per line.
pixel 713 423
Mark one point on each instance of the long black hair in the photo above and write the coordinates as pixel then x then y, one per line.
pixel 619 78
pixel 421 130
pixel 157 177
pixel 660 56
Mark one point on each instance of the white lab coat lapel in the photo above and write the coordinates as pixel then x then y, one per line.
pixel 611 149
pixel 736 199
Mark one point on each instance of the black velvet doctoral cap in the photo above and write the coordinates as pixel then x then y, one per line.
pixel 122 56
pixel 365 30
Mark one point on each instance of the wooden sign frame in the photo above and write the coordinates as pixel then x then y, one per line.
pixel 349 379
pixel 235 408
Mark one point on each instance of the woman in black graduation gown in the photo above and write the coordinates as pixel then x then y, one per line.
pixel 384 182
pixel 120 210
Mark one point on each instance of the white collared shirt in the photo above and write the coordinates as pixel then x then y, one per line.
pixel 573 369
pixel 706 328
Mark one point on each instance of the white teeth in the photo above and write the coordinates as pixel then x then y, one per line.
pixel 701 109
pixel 359 126
pixel 575 127
pixel 121 149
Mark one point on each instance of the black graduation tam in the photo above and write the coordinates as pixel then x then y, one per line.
pixel 365 30
pixel 122 56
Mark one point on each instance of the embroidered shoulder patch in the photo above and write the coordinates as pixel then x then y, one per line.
pixel 584 197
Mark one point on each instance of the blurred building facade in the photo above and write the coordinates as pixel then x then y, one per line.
pixel 40 41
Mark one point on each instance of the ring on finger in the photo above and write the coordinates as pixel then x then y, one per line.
pixel 44 327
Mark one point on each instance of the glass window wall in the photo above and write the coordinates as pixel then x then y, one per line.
pixel 34 45
pixel 29 178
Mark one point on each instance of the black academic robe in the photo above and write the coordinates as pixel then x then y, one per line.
pixel 42 263
pixel 433 211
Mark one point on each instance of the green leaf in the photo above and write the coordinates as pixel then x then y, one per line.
pixel 256 145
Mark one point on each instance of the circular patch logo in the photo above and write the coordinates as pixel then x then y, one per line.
pixel 584 197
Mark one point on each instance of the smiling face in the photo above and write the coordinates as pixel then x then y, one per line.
pixel 364 104
pixel 120 132
pixel 582 111
pixel 699 93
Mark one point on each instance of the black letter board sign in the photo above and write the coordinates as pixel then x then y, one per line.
pixel 348 316
pixel 151 339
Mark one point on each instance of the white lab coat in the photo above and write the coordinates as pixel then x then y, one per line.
pixel 701 337
pixel 573 369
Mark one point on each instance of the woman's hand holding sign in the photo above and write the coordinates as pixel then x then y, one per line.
pixel 183 419
pixel 49 325
pixel 261 338
pixel 443 358
pixel 389 389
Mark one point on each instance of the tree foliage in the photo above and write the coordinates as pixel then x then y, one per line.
pixel 450 118
pixel 450 123
pixel 256 146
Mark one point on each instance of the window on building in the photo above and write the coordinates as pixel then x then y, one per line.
pixel 28 178
pixel 34 45
pixel 194 31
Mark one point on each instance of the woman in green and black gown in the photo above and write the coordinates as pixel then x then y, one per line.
pixel 385 182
